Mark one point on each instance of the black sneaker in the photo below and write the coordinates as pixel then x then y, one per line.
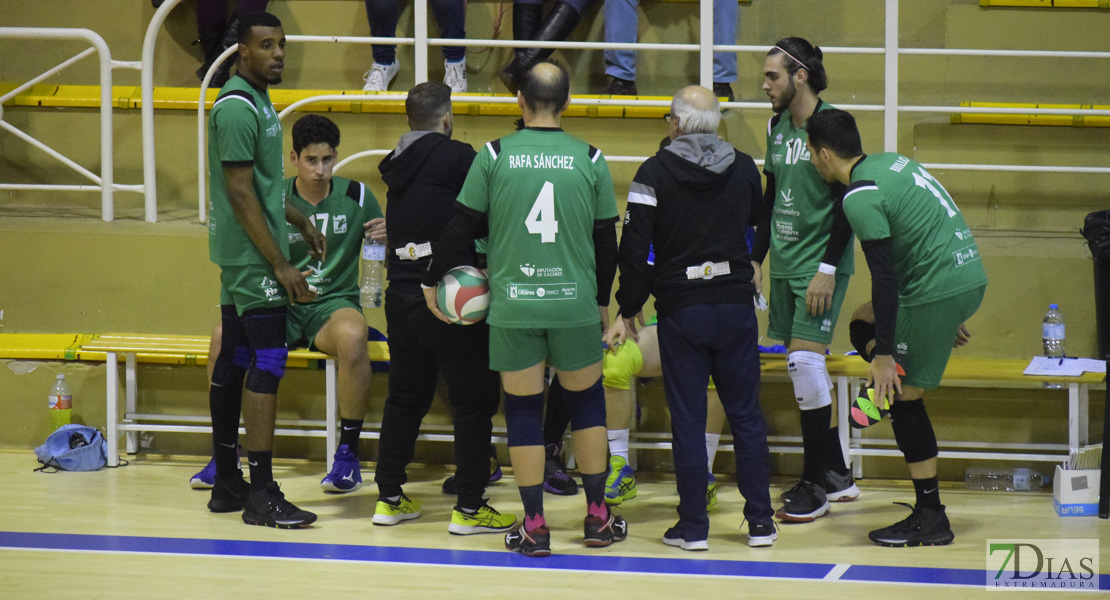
pixel 229 494
pixel 926 526
pixel 676 536
pixel 762 535
pixel 621 87
pixel 555 478
pixel 840 488
pixel 724 90
pixel 529 543
pixel 270 508
pixel 601 533
pixel 803 503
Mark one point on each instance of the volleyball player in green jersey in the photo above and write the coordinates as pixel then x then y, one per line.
pixel 342 210
pixel 247 239
pixel 927 279
pixel 811 261
pixel 547 200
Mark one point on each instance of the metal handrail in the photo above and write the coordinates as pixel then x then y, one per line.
pixel 104 181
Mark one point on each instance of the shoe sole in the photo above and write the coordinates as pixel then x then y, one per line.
pixel 331 487
pixel 454 529
pixel 388 520
pixel 253 520
pixel 845 495
pixel 762 541
pixel 225 507
pixel 200 484
pixel 601 543
pixel 550 489
pixel 943 540
pixel 688 546
pixel 782 515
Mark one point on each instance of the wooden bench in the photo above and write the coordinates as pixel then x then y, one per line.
pixel 191 350
pixel 848 372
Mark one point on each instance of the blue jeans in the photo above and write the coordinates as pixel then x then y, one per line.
pixel 383 16
pixel 621 26
pixel 719 340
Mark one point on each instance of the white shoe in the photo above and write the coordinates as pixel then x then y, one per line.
pixel 455 76
pixel 379 76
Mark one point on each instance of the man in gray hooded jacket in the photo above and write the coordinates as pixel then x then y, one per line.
pixel 692 203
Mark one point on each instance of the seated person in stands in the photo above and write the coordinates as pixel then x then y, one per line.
pixel 621 26
pixel 345 212
pixel 530 24
pixel 383 15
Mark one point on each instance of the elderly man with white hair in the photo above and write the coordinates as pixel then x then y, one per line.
pixel 692 202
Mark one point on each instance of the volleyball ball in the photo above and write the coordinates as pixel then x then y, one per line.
pixel 463 295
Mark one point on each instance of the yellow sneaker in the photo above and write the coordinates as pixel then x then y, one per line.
pixel 386 513
pixel 486 520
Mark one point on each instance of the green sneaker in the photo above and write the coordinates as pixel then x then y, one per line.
pixel 711 493
pixel 621 483
pixel 387 513
pixel 486 520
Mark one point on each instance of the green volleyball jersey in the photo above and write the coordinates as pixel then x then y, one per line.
pixel 802 217
pixel 935 256
pixel 243 130
pixel 541 190
pixel 339 217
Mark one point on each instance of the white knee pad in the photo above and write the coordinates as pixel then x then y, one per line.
pixel 811 379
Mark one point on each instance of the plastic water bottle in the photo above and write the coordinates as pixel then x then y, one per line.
pixel 1052 332
pixel 60 402
pixel 1011 480
pixel 373 269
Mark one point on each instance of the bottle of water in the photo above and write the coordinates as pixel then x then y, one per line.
pixel 1052 332
pixel 373 269
pixel 60 402
pixel 1011 480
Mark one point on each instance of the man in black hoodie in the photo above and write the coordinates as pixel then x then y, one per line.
pixel 692 202
pixel 424 174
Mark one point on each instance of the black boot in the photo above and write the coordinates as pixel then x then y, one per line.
pixel 210 47
pixel 559 24
pixel 230 38
pixel 526 22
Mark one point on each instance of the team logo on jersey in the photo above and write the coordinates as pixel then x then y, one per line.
pixel 778 140
pixel 267 282
pixel 903 347
pixel 826 325
pixel 787 197
pixel 512 291
pixel 273 130
pixel 340 222
pixel 266 111
pixel 318 270
pixel 528 269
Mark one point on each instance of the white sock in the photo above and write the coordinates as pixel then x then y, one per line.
pixel 712 440
pixel 618 442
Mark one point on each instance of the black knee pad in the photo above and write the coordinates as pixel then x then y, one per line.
pixel 524 419
pixel 587 407
pixel 913 430
pixel 861 332
pixel 265 328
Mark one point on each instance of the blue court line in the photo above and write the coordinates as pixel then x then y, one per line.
pixel 476 558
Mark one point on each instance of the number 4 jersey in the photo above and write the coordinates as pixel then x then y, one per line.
pixel 935 256
pixel 541 190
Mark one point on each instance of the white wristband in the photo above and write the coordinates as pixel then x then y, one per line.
pixel 826 268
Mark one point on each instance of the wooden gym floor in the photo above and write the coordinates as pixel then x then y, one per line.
pixel 140 532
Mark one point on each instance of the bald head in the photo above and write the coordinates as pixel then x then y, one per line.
pixel 697 110
pixel 546 88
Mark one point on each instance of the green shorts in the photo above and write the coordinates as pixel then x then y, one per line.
pixel 924 336
pixel 789 318
pixel 249 287
pixel 566 349
pixel 305 320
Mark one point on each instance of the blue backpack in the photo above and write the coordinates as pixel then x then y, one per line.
pixel 73 448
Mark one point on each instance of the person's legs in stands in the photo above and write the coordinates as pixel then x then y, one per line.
pixel 450 15
pixel 621 26
pixel 383 16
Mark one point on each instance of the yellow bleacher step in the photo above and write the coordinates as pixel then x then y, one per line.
pixel 1046 3
pixel 1017 119
pixel 42 346
pixel 185 98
